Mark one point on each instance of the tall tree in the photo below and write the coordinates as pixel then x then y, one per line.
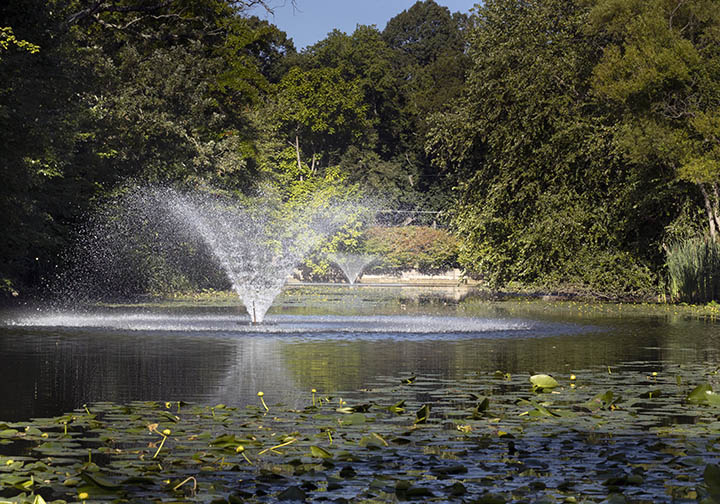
pixel 661 68
pixel 321 113
pixel 543 196
pixel 429 56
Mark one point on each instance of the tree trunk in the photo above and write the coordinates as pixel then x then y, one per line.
pixel 711 210
pixel 297 154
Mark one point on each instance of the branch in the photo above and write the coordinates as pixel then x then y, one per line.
pixel 100 7
pixel 672 14
pixel 140 18
pixel 249 4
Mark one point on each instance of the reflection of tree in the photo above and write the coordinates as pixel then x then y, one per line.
pixel 342 365
pixel 49 373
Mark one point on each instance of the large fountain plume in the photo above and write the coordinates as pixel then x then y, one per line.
pixel 259 245
pixel 256 241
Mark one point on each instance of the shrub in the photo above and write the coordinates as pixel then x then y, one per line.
pixel 423 248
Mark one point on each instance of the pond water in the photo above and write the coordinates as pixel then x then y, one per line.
pixel 330 338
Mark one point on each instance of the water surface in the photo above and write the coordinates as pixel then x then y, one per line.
pixel 331 338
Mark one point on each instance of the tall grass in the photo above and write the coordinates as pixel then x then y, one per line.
pixel 694 270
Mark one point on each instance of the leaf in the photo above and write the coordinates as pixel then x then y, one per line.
pixel 170 416
pixel 397 408
pixel 292 493
pixel 318 452
pixel 225 441
pixel 373 439
pixel 99 481
pixel 711 478
pixel 543 381
pixel 703 394
pixel 352 419
pixel 409 381
pixel 605 400
pixel 422 414
pixel 481 407
pixel 698 394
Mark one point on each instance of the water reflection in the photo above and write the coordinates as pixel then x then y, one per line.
pixel 210 356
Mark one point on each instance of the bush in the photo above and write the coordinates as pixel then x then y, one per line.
pixel 694 270
pixel 426 249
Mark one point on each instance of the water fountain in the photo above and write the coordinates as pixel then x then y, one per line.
pixel 258 245
pixel 352 265
pixel 149 232
pixel 255 244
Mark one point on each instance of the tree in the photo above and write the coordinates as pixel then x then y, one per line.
pixel 142 89
pixel 430 65
pixel 320 113
pixel 661 69
pixel 543 198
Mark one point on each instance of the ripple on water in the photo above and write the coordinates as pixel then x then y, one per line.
pixel 309 326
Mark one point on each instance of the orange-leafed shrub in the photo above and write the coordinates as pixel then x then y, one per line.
pixel 423 248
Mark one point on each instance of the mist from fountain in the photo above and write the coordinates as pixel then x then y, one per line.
pixel 352 265
pixel 152 238
pixel 258 245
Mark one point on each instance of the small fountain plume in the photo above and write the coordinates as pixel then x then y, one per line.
pixel 352 265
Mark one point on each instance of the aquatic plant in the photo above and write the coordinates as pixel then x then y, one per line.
pixel 627 438
pixel 694 270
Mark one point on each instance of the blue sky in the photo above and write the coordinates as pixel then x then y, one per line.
pixel 312 20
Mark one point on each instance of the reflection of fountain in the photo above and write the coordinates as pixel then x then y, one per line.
pixel 352 265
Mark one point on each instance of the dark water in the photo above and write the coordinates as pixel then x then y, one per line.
pixel 328 338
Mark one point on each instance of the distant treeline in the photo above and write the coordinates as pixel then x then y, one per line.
pixel 566 143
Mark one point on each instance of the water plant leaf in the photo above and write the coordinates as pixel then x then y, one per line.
pixel 711 481
pixel 541 410
pixel 422 415
pixel 704 394
pixel 99 481
pixel 698 394
pixel 604 400
pixel 352 419
pixel 542 382
pixel 481 408
pixel 319 452
pixel 293 493
pixel 397 408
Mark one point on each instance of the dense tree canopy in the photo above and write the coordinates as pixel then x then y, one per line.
pixel 566 142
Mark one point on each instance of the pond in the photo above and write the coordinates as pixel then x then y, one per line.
pixel 331 338
pixel 466 356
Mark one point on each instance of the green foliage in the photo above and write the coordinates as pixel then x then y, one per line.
pixel 147 92
pixel 9 40
pixel 693 268
pixel 320 109
pixel 566 140
pixel 422 248
pixel 662 70
pixel 544 197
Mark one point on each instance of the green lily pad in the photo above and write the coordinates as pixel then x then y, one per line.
pixel 543 382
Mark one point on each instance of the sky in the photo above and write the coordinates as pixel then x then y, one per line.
pixel 312 20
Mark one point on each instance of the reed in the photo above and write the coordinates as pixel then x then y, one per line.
pixel 694 270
